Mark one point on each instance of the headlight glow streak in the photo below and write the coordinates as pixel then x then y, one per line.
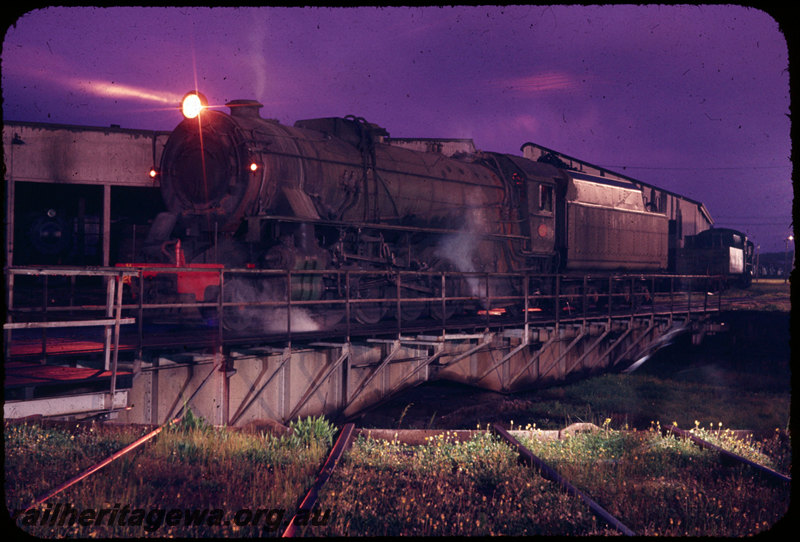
pixel 126 91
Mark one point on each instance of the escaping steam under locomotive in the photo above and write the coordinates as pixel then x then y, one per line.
pixel 246 192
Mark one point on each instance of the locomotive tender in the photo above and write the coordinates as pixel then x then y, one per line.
pixel 719 251
pixel 330 193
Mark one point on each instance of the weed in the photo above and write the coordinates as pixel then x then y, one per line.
pixel 403 414
pixel 306 431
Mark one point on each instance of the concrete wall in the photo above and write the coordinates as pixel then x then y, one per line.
pixel 80 154
pixel 77 155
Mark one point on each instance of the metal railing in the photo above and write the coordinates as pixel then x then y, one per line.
pixel 253 302
pixel 39 316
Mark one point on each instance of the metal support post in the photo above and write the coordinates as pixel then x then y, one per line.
pixel 365 382
pixel 322 377
pixel 118 316
pixel 571 345
pixel 532 360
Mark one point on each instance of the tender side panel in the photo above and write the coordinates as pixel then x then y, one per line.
pixel 618 239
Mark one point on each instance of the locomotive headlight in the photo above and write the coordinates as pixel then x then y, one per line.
pixel 254 167
pixel 192 104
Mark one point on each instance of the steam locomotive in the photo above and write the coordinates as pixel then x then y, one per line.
pixel 242 191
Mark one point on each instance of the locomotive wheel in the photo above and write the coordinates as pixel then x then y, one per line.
pixel 364 287
pixel 238 319
pixel 410 310
pixel 329 314
pixel 241 319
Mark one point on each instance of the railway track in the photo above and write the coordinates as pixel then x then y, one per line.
pixel 347 435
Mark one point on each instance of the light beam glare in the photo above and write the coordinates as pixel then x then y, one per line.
pixel 117 90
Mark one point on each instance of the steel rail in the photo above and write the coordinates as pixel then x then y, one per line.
pixel 97 466
pixel 551 474
pixel 116 455
pixel 702 443
pixel 306 506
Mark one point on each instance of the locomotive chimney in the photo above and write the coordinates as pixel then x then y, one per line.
pixel 245 108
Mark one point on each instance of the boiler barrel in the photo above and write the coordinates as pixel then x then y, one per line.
pixel 330 165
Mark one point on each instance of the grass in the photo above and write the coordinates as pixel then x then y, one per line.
pixel 249 484
pixel 192 467
pixel 38 456
pixel 635 400
pixel 660 485
pixel 741 377
pixel 446 488
pixel 761 295
pixel 770 451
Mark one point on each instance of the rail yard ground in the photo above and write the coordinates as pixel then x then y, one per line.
pixel 194 480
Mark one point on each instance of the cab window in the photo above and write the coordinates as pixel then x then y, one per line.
pixel 545 198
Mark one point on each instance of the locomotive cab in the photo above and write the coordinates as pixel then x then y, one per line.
pixel 538 196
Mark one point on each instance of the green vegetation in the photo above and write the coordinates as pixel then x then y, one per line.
pixel 761 295
pixel 661 485
pixel 190 466
pixel 633 400
pixel 249 484
pixel 740 377
pixel 450 488
pixel 771 451
pixel 40 456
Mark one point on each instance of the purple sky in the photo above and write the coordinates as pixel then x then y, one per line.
pixel 690 98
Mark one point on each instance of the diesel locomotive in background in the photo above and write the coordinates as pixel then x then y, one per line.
pixel 242 191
